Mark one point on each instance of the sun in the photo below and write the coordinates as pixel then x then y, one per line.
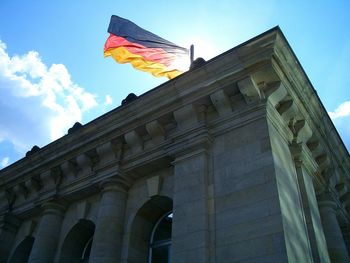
pixel 203 48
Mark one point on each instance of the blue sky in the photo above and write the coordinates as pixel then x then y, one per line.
pixel 52 70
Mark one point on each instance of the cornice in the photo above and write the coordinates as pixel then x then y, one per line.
pixel 303 93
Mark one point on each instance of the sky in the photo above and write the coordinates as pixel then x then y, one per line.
pixel 53 73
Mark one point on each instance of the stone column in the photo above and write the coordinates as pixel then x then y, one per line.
pixel 190 236
pixel 334 238
pixel 46 239
pixel 8 229
pixel 107 241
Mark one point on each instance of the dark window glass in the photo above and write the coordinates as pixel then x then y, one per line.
pixel 86 252
pixel 161 254
pixel 160 247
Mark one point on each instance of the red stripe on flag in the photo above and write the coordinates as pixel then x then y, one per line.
pixel 151 54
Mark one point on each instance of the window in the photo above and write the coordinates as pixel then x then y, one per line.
pixel 143 228
pixel 160 243
pixel 86 251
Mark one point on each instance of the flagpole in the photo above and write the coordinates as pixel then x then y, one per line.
pixel 191 53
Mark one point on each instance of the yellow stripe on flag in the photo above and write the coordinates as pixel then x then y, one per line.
pixel 122 55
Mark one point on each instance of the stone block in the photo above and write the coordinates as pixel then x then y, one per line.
pixel 246 250
pixel 254 211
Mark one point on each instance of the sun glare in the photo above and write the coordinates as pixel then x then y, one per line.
pixel 203 48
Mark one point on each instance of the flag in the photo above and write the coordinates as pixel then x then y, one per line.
pixel 129 43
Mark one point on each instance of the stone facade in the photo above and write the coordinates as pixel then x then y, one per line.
pixel 240 150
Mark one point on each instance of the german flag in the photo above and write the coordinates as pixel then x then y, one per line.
pixel 129 43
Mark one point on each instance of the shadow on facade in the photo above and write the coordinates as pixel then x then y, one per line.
pixel 22 251
pixel 77 244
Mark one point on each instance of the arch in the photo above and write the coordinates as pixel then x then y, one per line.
pixel 22 251
pixel 77 244
pixel 143 224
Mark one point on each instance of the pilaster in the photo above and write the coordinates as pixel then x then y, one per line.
pixel 305 168
pixel 191 219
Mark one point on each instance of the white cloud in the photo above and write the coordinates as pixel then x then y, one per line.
pixel 108 100
pixel 341 119
pixel 341 111
pixel 4 162
pixel 38 103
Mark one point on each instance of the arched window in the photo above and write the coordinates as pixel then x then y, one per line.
pixel 142 232
pixel 160 242
pixel 86 251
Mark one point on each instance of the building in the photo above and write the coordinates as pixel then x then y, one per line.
pixel 233 161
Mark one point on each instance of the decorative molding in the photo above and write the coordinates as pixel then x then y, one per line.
pixel 275 92
pixel 250 90
pixel 105 153
pixel 69 169
pixel 156 130
pixel 186 117
pixel 85 164
pixel 11 198
pixel 153 185
pixel 134 141
pixel 288 109
pixel 221 102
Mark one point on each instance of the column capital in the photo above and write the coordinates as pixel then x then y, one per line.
pixel 53 207
pixel 116 183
